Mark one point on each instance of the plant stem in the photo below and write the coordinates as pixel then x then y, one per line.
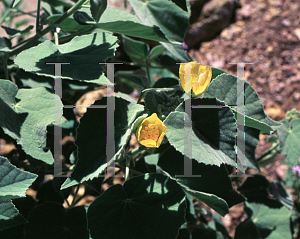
pixel 274 146
pixel 37 23
pixel 68 203
pixel 20 43
pixel 56 38
pixel 142 154
pixel 75 34
pixel 125 5
pixel 136 150
pixel 75 195
pixel 106 180
pixel 51 171
pixel 128 159
pixel 5 67
pixel 79 199
pixel 140 97
pixel 148 72
pixel 5 15
pixel 21 13
pixel 133 171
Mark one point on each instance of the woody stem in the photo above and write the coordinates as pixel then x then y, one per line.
pixel 128 159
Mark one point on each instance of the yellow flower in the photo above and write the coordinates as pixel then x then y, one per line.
pixel 200 77
pixel 151 132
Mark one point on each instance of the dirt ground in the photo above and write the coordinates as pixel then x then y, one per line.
pixel 267 34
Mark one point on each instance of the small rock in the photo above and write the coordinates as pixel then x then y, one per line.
pixel 272 13
pixel 296 96
pixel 276 3
pixel 298 77
pixel 286 22
pixel 259 46
pixel 246 11
pixel 294 7
pixel 279 99
pixel 287 68
pixel 275 111
pixel 297 32
pixel 218 64
pixel 269 49
pixel 6 148
pixel 261 81
pixel 262 6
pixel 216 15
pixel 257 30
pixel 226 34
pixel 236 29
pixel 284 33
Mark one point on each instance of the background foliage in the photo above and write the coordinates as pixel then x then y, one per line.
pixel 154 201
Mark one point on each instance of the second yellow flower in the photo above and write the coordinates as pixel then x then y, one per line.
pixel 200 77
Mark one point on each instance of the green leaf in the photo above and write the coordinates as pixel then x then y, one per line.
pixel 56 3
pixel 216 203
pixel 82 53
pixel 133 29
pixel 14 32
pixel 251 141
pixel 212 137
pixel 190 216
pixel 181 4
pixel 16 3
pixel 140 80
pixel 21 23
pixel 137 51
pixel 121 22
pixel 165 82
pixel 97 8
pixel 256 190
pixel 91 138
pixel 292 114
pixel 82 18
pixel 5 44
pixel 224 88
pixel 148 206
pixel 9 215
pixel 70 24
pixel 199 233
pixel 216 191
pixel 13 184
pixel 25 115
pixel 216 72
pixel 267 218
pixel 13 181
pixel 51 220
pixel 173 22
pixel 166 66
pixel 30 80
pixel 289 137
pixel 156 51
pixel 159 102
pixel 281 195
pixel 264 222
